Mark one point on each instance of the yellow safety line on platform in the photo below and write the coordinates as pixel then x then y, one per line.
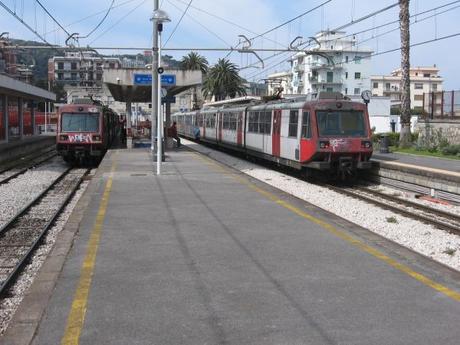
pixel 77 313
pixel 339 233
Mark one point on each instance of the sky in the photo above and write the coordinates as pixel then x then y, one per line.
pixel 217 24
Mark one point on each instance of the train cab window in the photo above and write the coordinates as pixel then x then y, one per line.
pixel 341 123
pixel 306 127
pixel 80 122
pixel 293 123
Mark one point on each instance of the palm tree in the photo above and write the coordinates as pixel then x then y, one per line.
pixel 223 80
pixel 195 61
pixel 405 136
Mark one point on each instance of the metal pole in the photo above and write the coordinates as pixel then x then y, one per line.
pixel 46 131
pixel 154 77
pixel 160 117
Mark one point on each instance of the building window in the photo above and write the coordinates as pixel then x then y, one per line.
pixel 306 128
pixel 330 77
pixel 426 75
pixel 387 86
pixel 357 90
pixel 418 97
pixel 357 75
pixel 293 122
pixel 434 87
pixel 346 58
pixel 346 75
pixel 73 76
pixel 357 59
pixel 329 89
pixel 418 86
pixel 60 65
pixel 376 85
pixel 73 65
pixel 346 90
pixel 60 76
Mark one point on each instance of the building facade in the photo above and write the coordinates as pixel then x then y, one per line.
pixel 334 63
pixel 422 80
pixel 279 80
pixel 80 68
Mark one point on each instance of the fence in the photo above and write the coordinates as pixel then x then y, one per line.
pixel 442 104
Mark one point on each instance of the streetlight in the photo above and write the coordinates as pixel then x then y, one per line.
pixel 159 17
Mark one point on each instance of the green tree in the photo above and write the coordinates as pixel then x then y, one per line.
pixel 405 135
pixel 223 80
pixel 195 61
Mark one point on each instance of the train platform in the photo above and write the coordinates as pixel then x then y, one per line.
pixel 19 147
pixel 443 164
pixel 203 254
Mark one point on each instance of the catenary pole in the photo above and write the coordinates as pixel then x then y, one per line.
pixel 154 78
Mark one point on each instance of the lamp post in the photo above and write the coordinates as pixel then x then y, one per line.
pixel 159 17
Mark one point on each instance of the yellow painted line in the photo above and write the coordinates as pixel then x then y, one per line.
pixel 77 313
pixel 455 295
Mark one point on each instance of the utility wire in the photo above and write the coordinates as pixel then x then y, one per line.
pixel 52 17
pixel 118 21
pixel 290 20
pixel 180 20
pixel 23 22
pixel 203 26
pixel 100 23
pixel 94 14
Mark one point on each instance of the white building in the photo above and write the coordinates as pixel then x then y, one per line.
pixel 334 63
pixel 422 80
pixel 280 79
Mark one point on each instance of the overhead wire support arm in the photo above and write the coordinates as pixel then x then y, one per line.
pixel 246 49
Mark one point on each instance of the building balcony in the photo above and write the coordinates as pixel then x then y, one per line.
pixel 315 81
pixel 321 65
pixel 299 68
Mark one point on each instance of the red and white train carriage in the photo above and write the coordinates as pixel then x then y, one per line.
pixel 328 132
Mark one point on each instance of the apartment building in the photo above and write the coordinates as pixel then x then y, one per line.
pixel 80 68
pixel 422 80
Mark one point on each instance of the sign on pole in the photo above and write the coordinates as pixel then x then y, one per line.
pixel 146 79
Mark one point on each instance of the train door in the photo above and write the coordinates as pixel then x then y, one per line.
pixel 220 117
pixel 239 130
pixel 276 136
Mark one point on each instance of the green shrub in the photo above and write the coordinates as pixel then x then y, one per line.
pixel 451 150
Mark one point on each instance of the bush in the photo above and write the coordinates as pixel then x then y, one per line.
pixel 451 150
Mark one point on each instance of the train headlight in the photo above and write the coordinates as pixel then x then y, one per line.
pixel 366 144
pixel 96 138
pixel 63 137
pixel 324 144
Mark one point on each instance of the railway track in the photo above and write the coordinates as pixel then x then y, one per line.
pixel 438 218
pixel 23 233
pixel 20 168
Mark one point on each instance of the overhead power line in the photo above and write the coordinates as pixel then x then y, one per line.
pixel 175 28
pixel 100 23
pixel 52 17
pixel 203 26
pixel 290 20
pixel 23 22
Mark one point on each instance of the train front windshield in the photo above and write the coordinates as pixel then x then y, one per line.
pixel 80 122
pixel 341 123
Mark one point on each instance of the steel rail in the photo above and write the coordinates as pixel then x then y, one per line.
pixel 12 276
pixel 425 219
pixel 21 171
pixel 27 158
pixel 33 202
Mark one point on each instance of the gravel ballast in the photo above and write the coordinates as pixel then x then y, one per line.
pixel 422 238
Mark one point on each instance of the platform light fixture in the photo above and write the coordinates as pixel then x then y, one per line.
pixel 158 18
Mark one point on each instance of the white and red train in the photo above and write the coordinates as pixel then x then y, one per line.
pixel 328 132
pixel 85 131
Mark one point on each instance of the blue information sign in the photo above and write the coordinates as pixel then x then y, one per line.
pixel 146 79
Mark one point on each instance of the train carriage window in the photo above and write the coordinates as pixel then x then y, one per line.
pixel 306 127
pixel 253 125
pixel 293 123
pixel 232 122
pixel 265 123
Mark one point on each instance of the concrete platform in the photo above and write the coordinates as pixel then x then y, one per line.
pixel 429 172
pixel 205 255
pixel 17 148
